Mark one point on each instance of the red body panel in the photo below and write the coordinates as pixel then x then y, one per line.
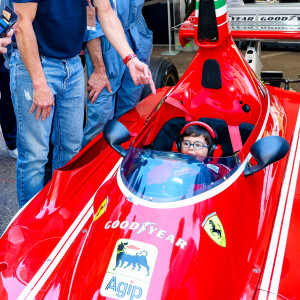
pixel 68 242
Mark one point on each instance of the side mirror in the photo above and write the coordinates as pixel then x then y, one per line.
pixel 115 133
pixel 267 151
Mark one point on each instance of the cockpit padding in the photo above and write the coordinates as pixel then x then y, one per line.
pixel 245 130
pixel 221 128
pixel 169 133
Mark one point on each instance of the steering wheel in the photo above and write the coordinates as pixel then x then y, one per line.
pixel 175 187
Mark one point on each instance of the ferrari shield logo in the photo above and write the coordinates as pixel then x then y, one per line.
pixel 214 228
pixel 101 209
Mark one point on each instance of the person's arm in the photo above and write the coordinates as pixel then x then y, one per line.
pixel 114 32
pixel 5 41
pixel 98 80
pixel 28 48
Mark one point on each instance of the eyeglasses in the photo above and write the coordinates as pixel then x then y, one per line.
pixel 197 145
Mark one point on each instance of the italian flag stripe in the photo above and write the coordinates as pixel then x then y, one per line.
pixel 221 11
pixel 222 19
pixel 219 3
pixel 197 9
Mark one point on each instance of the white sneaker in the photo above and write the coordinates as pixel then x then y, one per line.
pixel 14 153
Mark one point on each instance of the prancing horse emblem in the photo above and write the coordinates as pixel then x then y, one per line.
pixel 214 228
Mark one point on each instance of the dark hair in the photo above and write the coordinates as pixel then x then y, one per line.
pixel 196 130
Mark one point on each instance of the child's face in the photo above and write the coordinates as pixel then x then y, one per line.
pixel 191 150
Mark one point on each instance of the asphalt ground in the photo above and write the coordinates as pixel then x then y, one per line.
pixel 286 61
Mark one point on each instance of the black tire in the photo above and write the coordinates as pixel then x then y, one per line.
pixel 164 73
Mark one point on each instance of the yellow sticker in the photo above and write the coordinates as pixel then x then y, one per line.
pixel 101 209
pixel 6 14
pixel 214 228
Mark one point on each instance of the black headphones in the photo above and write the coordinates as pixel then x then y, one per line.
pixel 211 131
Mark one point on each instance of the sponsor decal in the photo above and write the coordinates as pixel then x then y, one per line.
pixel 260 27
pixel 129 271
pixel 148 227
pixel 242 18
pixel 265 22
pixel 263 18
pixel 101 209
pixel 181 172
pixel 274 18
pixel 214 228
pixel 213 168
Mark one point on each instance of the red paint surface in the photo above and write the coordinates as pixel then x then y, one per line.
pixel 200 270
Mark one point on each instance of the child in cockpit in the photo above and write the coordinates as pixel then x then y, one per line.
pixel 198 138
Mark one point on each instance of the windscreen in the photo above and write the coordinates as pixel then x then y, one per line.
pixel 168 176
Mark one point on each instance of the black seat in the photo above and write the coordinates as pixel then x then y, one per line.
pixel 168 134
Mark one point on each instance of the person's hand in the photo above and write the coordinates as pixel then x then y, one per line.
pixel 5 41
pixel 96 83
pixel 42 101
pixel 140 73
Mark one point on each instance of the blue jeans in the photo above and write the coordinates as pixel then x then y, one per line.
pixel 64 126
pixel 125 95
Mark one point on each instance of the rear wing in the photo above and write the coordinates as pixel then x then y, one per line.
pixel 255 22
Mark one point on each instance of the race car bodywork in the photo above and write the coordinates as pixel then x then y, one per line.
pixel 141 223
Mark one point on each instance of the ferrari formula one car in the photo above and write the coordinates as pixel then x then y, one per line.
pixel 128 218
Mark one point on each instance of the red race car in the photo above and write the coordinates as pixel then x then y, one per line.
pixel 128 218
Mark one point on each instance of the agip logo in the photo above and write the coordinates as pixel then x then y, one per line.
pixel 130 270
pixel 214 228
